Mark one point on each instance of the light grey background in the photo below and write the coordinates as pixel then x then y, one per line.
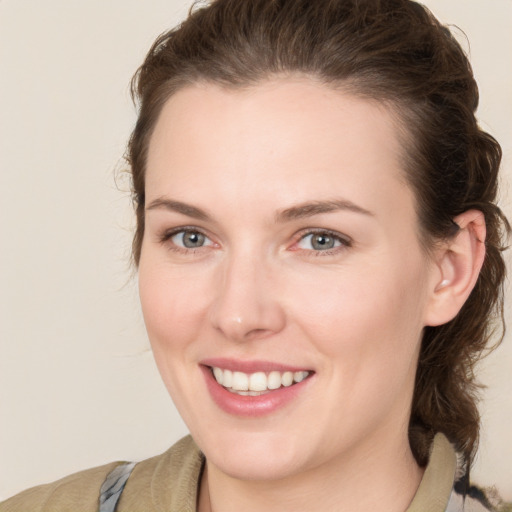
pixel 78 386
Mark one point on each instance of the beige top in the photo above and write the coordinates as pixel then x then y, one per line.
pixel 169 483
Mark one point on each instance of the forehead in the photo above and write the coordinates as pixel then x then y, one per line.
pixel 302 137
pixel 290 105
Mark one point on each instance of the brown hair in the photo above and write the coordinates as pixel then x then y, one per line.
pixel 396 52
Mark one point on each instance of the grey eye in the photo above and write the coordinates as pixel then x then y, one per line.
pixel 319 242
pixel 189 239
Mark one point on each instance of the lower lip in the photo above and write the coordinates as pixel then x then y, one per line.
pixel 252 406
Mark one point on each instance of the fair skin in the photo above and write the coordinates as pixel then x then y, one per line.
pixel 280 234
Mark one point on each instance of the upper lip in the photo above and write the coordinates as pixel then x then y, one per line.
pixel 252 366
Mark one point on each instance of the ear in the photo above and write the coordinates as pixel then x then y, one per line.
pixel 457 265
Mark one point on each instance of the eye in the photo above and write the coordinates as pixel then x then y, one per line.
pixel 322 241
pixel 189 239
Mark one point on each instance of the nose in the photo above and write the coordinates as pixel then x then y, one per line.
pixel 246 305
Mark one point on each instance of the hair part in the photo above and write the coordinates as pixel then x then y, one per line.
pixel 397 53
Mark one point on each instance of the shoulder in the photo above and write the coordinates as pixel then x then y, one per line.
pixel 63 495
pixel 171 477
pixel 445 485
pixel 166 482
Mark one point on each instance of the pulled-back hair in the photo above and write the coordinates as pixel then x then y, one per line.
pixel 397 53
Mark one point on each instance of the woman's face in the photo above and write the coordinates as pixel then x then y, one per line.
pixel 281 244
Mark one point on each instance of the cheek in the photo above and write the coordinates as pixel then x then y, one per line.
pixel 172 309
pixel 171 305
pixel 365 315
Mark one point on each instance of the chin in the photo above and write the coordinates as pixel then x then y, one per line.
pixel 255 468
pixel 254 456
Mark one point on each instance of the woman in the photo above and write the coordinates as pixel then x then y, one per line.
pixel 318 248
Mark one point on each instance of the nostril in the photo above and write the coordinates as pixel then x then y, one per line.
pixel 246 315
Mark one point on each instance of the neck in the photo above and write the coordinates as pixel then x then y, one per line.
pixel 383 479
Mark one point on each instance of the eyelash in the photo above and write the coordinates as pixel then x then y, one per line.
pixel 165 239
pixel 344 241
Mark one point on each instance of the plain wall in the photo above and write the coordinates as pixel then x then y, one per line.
pixel 78 386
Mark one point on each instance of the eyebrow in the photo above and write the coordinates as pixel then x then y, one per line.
pixel 179 207
pixel 310 209
pixel 300 211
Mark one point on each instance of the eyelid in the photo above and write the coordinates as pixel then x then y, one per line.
pixel 345 240
pixel 166 235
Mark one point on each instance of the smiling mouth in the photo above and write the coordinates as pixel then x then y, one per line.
pixel 258 383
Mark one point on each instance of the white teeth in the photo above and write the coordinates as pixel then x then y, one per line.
pixel 247 393
pixel 227 378
pixel 274 380
pixel 218 375
pixel 240 381
pixel 287 379
pixel 256 383
pixel 299 376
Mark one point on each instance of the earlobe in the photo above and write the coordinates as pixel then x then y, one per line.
pixel 458 263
